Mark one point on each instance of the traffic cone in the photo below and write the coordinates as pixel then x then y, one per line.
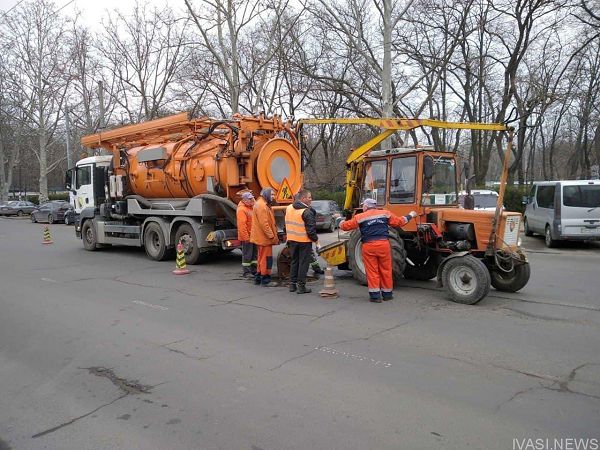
pixel 330 291
pixel 180 261
pixel 47 237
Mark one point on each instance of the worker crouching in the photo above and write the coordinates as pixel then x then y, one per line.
pixel 264 235
pixel 373 224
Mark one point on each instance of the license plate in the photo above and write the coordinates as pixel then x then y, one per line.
pixel 585 230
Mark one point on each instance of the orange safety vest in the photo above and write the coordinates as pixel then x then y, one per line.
pixel 294 225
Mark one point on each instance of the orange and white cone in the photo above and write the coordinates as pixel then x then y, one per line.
pixel 47 237
pixel 180 261
pixel 330 291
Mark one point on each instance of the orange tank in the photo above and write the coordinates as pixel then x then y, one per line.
pixel 176 157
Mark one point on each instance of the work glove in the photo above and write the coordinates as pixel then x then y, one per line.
pixel 413 214
pixel 317 246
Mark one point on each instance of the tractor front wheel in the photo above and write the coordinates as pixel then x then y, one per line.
pixel 467 279
pixel 511 281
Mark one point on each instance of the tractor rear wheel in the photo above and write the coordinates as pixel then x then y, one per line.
pixel 511 281
pixel 467 279
pixel 357 265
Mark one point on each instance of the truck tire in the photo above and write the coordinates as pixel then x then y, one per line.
pixel 355 261
pixel 550 242
pixel 511 281
pixel 467 279
pixel 528 231
pixel 424 269
pixel 154 242
pixel 185 234
pixel 88 236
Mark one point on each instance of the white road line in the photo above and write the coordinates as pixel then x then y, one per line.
pixel 334 352
pixel 150 305
pixel 49 280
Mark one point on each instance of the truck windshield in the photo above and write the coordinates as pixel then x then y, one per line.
pixel 582 196
pixel 440 187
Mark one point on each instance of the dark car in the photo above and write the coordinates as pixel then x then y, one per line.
pixel 17 208
pixel 52 211
pixel 328 212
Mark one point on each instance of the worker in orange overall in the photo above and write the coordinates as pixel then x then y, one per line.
pixel 264 235
pixel 376 251
pixel 244 226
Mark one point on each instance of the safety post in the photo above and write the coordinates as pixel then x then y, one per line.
pixel 329 290
pixel 47 237
pixel 180 261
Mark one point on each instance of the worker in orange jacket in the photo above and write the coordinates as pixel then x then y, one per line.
pixel 244 226
pixel 264 235
pixel 376 251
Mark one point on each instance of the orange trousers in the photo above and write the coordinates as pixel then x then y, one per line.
pixel 377 256
pixel 265 260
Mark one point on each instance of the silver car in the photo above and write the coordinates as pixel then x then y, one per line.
pixel 564 211
pixel 17 208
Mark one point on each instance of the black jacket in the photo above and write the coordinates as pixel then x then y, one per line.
pixel 309 216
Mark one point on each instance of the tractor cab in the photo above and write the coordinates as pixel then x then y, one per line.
pixel 410 179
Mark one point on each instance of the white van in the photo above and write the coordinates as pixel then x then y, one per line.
pixel 564 210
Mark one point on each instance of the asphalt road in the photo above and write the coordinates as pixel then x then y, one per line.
pixel 110 350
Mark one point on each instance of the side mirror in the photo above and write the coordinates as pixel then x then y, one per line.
pixel 428 165
pixel 525 200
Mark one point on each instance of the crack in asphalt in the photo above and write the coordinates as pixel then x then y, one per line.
pixel 548 318
pixel 127 387
pixel 72 421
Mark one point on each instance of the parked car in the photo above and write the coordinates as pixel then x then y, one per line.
pixel 70 216
pixel 328 212
pixel 563 211
pixel 17 208
pixel 485 199
pixel 52 211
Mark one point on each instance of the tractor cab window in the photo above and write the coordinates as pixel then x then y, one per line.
pixel 375 181
pixel 439 181
pixel 402 181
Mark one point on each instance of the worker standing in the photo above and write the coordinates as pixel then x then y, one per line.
pixel 376 251
pixel 244 226
pixel 264 235
pixel 301 231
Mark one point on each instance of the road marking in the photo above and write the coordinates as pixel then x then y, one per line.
pixel 334 352
pixel 49 280
pixel 150 305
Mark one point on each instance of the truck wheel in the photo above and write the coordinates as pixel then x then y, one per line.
pixel 357 264
pixel 154 242
pixel 467 279
pixel 511 281
pixel 185 234
pixel 425 267
pixel 88 235
pixel 528 231
pixel 550 243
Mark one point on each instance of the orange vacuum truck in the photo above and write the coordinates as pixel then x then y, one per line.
pixel 177 180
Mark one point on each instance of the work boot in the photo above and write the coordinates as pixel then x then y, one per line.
pixel 266 282
pixel 375 297
pixel 246 273
pixel 257 278
pixel 292 287
pixel 387 296
pixel 302 289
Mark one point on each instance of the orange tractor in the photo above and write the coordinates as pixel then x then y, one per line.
pixel 467 250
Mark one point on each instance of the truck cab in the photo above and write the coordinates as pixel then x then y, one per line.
pixel 83 181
